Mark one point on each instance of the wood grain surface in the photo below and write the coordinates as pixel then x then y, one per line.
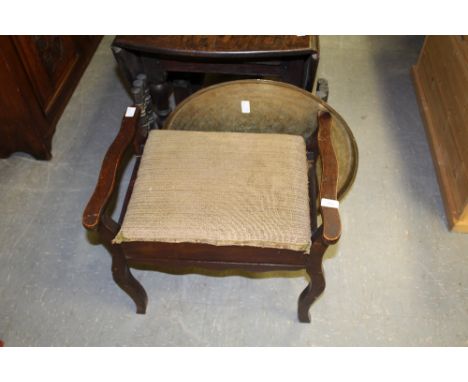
pixel 222 45
pixel 441 79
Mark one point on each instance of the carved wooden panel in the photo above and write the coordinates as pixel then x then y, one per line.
pixel 48 61
pixel 38 75
pixel 16 109
pixel 51 52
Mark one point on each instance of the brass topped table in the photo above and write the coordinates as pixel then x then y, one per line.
pixel 275 107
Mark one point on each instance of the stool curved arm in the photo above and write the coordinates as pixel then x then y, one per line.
pixel 95 217
pixel 329 179
pixel 105 186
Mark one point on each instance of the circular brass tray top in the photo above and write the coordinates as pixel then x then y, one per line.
pixel 275 107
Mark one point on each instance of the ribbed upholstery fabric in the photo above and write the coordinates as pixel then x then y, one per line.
pixel 221 188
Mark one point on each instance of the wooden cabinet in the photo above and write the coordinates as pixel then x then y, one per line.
pixel 37 76
pixel 441 79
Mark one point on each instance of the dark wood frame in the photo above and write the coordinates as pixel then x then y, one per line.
pixel 184 255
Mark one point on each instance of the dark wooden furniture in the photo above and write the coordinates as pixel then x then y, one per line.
pixel 172 62
pixel 329 143
pixel 441 81
pixel 38 75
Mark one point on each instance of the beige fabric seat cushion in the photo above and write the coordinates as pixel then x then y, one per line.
pixel 221 188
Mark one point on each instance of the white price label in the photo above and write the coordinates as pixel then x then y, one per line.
pixel 130 111
pixel 245 106
pixel 331 203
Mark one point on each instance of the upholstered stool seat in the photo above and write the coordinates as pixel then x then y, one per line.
pixel 221 188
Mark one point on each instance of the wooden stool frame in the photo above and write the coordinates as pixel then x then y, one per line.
pixel 131 139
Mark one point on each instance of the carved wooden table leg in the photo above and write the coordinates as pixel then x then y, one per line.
pixel 161 92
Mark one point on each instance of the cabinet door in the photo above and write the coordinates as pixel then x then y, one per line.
pixel 48 61
pixel 21 118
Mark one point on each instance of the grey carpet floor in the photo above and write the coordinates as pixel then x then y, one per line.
pixel 397 276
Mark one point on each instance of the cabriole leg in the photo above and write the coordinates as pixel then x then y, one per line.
pixel 313 290
pixel 125 280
